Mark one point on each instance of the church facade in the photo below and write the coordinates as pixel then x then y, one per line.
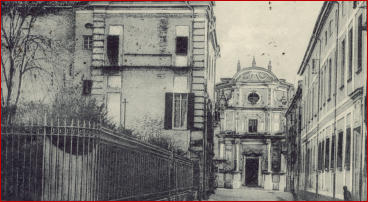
pixel 250 137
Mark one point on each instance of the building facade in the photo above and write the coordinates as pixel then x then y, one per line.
pixel 153 64
pixel 293 131
pixel 249 144
pixel 333 134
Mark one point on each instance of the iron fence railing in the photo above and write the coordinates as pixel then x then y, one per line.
pixel 56 160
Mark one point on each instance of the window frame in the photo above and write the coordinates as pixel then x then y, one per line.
pixel 340 143
pixel 178 48
pixel 89 44
pixel 359 56
pixel 254 125
pixel 342 64
pixel 185 125
pixel 327 154
pixel 350 55
pixel 347 160
pixel 329 79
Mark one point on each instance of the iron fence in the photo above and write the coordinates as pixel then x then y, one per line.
pixel 81 161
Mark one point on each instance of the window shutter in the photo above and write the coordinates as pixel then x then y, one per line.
pixel 168 111
pixel 190 116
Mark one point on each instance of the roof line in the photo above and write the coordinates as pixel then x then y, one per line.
pixel 312 41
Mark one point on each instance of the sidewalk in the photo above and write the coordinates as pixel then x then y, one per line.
pixel 250 194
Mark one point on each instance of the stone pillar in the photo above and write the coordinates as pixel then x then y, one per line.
pixel 268 175
pixel 237 145
pixel 269 156
pixel 222 150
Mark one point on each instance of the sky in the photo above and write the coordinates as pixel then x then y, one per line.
pixel 278 31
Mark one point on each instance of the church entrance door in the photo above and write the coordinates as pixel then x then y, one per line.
pixel 251 172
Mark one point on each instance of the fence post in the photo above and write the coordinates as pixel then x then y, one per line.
pixel 43 159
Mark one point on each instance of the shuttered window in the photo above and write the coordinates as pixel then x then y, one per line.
pixel 320 156
pixel 342 64
pixel 333 145
pixel 327 154
pixel 347 149
pixel 339 149
pixel 179 111
pixel 350 62
pixel 360 45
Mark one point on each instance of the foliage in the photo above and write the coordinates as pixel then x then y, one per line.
pixel 69 103
pixel 23 50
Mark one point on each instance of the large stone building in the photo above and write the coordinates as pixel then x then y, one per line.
pixel 153 66
pixel 333 121
pixel 249 141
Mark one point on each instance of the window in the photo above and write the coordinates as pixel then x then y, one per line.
pixel 355 4
pixel 323 152
pixel 330 27
pixel 326 82
pixel 322 88
pixel 339 149
pixel 113 49
pixel 253 125
pixel 181 45
pixel 333 144
pixel 180 103
pixel 320 156
pixel 329 79
pixel 179 111
pixel 253 98
pixel 342 73
pixel 350 70
pixel 87 87
pixel 87 42
pixel 326 37
pixel 347 148
pixel 113 44
pixel 360 47
pixel 327 154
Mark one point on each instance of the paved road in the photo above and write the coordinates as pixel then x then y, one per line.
pixel 249 194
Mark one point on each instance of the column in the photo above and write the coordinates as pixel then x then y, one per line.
pixel 222 150
pixel 237 147
pixel 269 156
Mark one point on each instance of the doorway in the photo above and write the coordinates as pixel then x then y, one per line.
pixel 251 172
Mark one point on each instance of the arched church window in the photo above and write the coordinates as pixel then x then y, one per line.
pixel 253 98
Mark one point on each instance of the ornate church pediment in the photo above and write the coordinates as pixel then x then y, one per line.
pixel 255 76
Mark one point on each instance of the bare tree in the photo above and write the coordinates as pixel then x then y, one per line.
pixel 22 51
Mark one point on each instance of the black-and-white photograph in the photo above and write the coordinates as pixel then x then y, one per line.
pixel 183 101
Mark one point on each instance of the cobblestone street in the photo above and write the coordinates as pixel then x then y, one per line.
pixel 250 194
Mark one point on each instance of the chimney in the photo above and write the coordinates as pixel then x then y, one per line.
pixel 238 68
pixel 269 66
pixel 254 62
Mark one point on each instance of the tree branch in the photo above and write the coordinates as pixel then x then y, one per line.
pixel 4 70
